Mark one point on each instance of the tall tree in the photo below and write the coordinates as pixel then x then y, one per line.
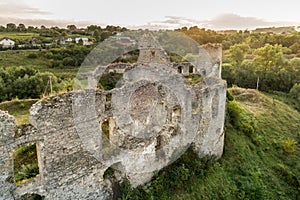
pixel 269 61
pixel 237 54
pixel 71 27
pixel 11 27
pixel 21 28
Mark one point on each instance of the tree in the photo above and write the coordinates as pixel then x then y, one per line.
pixel 295 65
pixel 269 61
pixel 237 54
pixel 21 28
pixel 11 27
pixel 269 57
pixel 97 35
pixel 2 28
pixel 71 27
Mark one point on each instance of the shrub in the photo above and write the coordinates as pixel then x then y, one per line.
pixel 239 118
pixel 56 63
pixel 109 81
pixel 289 146
pixel 295 92
pixel 32 56
pixel 27 171
pixel 229 96
pixel 49 55
pixel 233 111
pixel 68 61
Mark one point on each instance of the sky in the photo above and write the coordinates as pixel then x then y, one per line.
pixel 153 14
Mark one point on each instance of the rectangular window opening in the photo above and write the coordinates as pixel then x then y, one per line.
pixel 26 165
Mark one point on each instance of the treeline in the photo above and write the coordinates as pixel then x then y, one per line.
pixel 253 39
pixel 98 32
pixel 267 61
pixel 25 82
pixel 266 68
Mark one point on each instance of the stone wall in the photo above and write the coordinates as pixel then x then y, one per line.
pixel 67 170
pixel 152 118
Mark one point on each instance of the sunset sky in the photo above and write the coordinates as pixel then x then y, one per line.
pixel 214 14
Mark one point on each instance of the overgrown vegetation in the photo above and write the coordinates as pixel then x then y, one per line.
pixel 255 164
pixel 193 79
pixel 25 163
pixel 108 81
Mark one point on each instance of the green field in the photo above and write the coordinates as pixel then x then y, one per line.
pixel 18 36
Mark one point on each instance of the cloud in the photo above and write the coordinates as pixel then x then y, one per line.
pixel 234 21
pixel 221 22
pixel 14 8
pixel 45 22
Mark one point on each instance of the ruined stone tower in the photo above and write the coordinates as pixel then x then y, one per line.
pixel 153 116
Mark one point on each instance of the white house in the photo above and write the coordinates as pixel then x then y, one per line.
pixel 84 40
pixel 69 40
pixel 7 43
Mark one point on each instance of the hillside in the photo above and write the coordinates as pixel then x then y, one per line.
pixel 260 161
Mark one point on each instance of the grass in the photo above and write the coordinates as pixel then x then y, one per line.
pixel 193 79
pixel 19 109
pixel 255 164
pixel 25 163
pixel 283 97
pixel 18 36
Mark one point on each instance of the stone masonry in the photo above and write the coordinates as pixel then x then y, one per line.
pixel 153 116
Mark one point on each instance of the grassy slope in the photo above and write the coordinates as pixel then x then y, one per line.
pixel 19 109
pixel 254 166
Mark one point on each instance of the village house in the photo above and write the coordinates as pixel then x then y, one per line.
pixel 7 43
pixel 85 41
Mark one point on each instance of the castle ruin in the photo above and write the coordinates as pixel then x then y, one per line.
pixel 152 118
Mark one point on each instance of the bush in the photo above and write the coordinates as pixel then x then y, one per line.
pixel 49 55
pixel 233 112
pixel 56 64
pixel 68 61
pixel 109 81
pixel 229 96
pixel 295 92
pixel 239 118
pixel 26 172
pixel 32 56
pixel 289 146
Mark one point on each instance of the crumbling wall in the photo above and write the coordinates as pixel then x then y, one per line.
pixel 152 118
pixel 67 169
